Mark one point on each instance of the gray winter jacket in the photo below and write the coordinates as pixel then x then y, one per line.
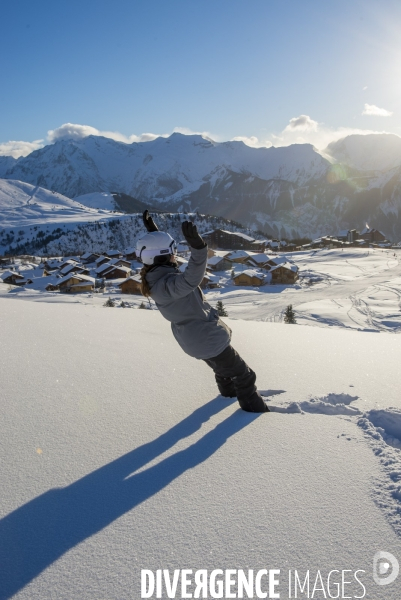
pixel 195 324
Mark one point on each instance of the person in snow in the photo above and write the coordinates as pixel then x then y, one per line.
pixel 196 325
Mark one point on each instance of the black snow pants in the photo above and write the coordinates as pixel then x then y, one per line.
pixel 235 379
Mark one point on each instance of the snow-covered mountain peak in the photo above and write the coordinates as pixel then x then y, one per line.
pixel 162 168
pixel 6 163
pixel 372 152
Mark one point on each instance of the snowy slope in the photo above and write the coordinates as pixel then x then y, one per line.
pixel 25 204
pixel 355 289
pixel 110 465
pixel 101 200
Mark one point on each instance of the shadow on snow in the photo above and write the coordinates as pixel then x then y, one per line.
pixel 38 533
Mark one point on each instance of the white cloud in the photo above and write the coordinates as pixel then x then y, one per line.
pixel 302 123
pixel 375 111
pixel 252 141
pixel 20 148
pixel 74 131
pixel 146 137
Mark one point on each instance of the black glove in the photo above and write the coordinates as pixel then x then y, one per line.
pixel 149 222
pixel 192 236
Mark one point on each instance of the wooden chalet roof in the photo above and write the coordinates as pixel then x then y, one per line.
pixel 238 254
pixel 239 234
pixel 7 274
pixel 135 278
pixel 249 273
pixel 215 260
pixel 76 276
pixel 115 267
pixel 101 258
pixel 287 266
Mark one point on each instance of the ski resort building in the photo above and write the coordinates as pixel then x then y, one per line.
pixel 131 285
pixel 284 273
pixel 248 278
pixel 76 284
pixel 219 263
pixel 115 272
pixel 13 278
pixel 372 235
pixel 89 257
pixel 130 254
pixel 232 240
pixel 238 256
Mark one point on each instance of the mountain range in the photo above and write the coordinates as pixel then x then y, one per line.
pixel 290 191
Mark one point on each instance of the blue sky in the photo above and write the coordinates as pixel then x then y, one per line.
pixel 266 71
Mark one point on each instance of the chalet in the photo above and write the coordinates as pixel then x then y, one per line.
pixel 70 268
pixel 76 284
pixel 103 269
pixel 89 257
pixel 258 260
pixel 266 261
pixel 51 265
pixel 248 277
pixel 68 261
pixel 238 256
pixel 115 262
pixel 372 235
pixel 113 254
pixel 284 273
pixel 219 263
pixel 131 285
pixel 116 273
pixel 13 278
pixel 129 253
pixel 101 260
pixel 229 240
pixel 210 281
pixel 120 262
pixel 288 246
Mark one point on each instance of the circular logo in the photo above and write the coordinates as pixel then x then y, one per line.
pixel 385 568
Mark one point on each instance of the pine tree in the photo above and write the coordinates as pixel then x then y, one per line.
pixel 289 316
pixel 221 309
pixel 142 305
pixel 109 302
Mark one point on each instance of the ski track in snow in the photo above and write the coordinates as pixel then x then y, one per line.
pixel 354 289
pixel 382 429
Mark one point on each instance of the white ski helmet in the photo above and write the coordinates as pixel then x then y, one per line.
pixel 155 243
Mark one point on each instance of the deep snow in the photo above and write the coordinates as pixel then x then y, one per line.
pixel 118 455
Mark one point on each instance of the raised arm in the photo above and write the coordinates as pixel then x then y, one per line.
pixel 183 284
